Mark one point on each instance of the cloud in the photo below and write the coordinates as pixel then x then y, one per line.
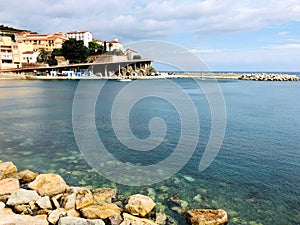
pixel 206 51
pixel 284 46
pixel 132 19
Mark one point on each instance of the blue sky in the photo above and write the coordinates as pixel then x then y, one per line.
pixel 230 35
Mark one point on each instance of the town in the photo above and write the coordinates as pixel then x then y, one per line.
pixel 68 54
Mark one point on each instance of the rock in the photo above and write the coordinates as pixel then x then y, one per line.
pixel 8 186
pixel 27 176
pixel 132 220
pixel 79 221
pixel 55 203
pixel 100 211
pixel 206 217
pixel 161 218
pixel 7 168
pixel 22 208
pixel 139 205
pixel 77 198
pixel 115 220
pixel 44 203
pixel 10 218
pixel 48 184
pixel 22 196
pixel 73 213
pixel 55 215
pixel 103 195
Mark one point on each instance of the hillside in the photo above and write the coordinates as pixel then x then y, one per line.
pixel 7 29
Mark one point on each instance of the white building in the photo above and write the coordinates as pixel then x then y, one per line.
pixel 114 45
pixel 30 56
pixel 84 36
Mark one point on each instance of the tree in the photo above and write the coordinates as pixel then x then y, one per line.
pixel 43 56
pixel 137 57
pixel 75 51
pixel 52 61
pixel 95 48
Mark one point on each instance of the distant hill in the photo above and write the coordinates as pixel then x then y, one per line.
pixel 11 30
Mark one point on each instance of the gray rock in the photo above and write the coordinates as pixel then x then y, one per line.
pixel 79 221
pixel 22 196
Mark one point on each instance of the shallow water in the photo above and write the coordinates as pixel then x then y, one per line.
pixel 255 176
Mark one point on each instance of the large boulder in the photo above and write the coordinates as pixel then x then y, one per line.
pixel 77 197
pixel 132 220
pixel 7 217
pixel 79 221
pixel 100 211
pixel 22 196
pixel 8 186
pixel 7 168
pixel 103 195
pixel 206 217
pixel 48 184
pixel 139 205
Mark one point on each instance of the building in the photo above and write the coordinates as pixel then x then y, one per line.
pixel 131 54
pixel 84 36
pixel 10 56
pixel 30 56
pixel 114 45
pixel 47 42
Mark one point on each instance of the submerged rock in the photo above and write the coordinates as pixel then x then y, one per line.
pixel 206 217
pixel 103 195
pixel 48 184
pixel 139 205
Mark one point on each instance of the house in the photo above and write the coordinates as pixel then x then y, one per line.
pixel 10 56
pixel 47 42
pixel 131 53
pixel 30 56
pixel 84 36
pixel 114 45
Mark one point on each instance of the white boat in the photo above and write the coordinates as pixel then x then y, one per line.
pixel 124 80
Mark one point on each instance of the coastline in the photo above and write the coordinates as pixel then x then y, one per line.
pixel 206 75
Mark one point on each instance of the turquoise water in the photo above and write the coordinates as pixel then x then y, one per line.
pixel 255 176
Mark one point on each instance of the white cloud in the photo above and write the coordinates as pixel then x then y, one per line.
pixel 284 46
pixel 206 51
pixel 133 19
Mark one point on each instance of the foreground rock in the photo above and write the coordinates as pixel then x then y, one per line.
pixel 139 205
pixel 46 199
pixel 207 217
pixel 8 186
pixel 79 221
pixel 133 220
pixel 7 217
pixel 48 184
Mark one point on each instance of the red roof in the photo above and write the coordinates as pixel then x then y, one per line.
pixel 78 32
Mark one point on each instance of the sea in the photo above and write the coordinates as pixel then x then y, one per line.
pixel 253 174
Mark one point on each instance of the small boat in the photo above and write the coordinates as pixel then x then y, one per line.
pixel 124 80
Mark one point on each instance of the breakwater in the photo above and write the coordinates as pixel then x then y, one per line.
pixel 268 77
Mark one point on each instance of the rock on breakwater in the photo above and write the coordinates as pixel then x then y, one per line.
pixel 27 197
pixel 268 77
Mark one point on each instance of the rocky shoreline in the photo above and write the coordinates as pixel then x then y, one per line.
pixel 268 77
pixel 28 197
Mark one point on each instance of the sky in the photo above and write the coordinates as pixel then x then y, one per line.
pixel 227 35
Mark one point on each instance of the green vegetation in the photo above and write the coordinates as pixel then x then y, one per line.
pixel 95 48
pixel 75 51
pixel 8 29
pixel 136 57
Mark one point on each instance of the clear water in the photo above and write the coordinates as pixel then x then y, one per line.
pixel 255 176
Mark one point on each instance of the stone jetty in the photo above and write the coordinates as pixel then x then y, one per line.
pixel 268 77
pixel 28 197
